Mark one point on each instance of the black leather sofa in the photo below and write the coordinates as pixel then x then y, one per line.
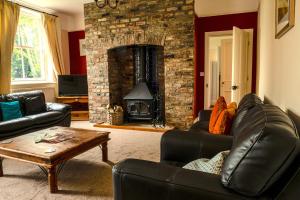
pixel 202 145
pixel 37 114
pixel 263 163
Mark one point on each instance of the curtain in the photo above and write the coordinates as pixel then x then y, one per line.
pixel 53 33
pixel 9 17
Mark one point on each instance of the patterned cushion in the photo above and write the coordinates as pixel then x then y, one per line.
pixel 213 166
pixel 217 110
pixel 196 120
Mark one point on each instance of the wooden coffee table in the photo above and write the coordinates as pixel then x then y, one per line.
pixel 24 148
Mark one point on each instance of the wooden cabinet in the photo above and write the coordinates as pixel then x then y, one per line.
pixel 80 106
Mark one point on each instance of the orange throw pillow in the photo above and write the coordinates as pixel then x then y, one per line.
pixel 224 120
pixel 232 105
pixel 221 123
pixel 217 110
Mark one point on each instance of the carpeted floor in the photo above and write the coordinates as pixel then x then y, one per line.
pixel 84 177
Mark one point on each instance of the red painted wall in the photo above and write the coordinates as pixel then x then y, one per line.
pixel 219 23
pixel 77 62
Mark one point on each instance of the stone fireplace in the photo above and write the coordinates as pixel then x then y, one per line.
pixel 168 24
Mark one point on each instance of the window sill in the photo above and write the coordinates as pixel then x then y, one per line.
pixel 31 83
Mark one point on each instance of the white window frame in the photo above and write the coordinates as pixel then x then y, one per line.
pixel 46 69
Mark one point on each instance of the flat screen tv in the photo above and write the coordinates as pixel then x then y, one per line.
pixel 72 85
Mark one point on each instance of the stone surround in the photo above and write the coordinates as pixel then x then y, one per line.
pixel 120 74
pixel 169 23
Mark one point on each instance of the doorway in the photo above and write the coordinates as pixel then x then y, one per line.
pixel 228 65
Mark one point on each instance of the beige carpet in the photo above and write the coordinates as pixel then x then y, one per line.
pixel 84 177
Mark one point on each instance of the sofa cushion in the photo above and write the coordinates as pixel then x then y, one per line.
pixel 263 148
pixel 45 117
pixel 15 124
pixel 10 110
pixel 200 125
pixel 2 99
pixel 27 94
pixel 212 166
pixel 221 123
pixel 224 122
pixel 232 105
pixel 220 105
pixel 21 100
pixel 34 105
pixel 247 102
pixel 35 101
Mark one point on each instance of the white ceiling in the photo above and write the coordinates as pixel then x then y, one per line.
pixel 204 8
pixel 69 7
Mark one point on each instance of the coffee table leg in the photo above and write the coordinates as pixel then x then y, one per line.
pixel 104 152
pixel 1 167
pixel 52 179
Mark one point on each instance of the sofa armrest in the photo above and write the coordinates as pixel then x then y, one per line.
pixel 204 115
pixel 138 179
pixel 64 108
pixel 185 146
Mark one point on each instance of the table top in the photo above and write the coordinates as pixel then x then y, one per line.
pixel 25 148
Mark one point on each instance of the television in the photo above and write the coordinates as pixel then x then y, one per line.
pixel 72 85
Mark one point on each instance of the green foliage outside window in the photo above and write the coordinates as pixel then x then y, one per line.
pixel 28 54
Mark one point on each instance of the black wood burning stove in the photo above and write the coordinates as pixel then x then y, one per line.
pixel 143 102
pixel 139 103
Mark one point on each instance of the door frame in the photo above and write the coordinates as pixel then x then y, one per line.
pixel 206 58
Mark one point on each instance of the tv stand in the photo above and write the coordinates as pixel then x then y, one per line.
pixel 80 106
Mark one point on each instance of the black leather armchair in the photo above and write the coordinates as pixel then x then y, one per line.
pixel 37 114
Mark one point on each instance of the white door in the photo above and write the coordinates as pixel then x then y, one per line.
pixel 241 64
pixel 226 69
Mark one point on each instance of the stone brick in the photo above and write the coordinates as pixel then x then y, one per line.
pixel 102 20
pixel 187 7
pixel 172 9
pixel 124 20
pixel 134 19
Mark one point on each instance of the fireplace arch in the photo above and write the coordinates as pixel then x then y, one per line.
pixel 136 80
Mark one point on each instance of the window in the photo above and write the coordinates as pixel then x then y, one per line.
pixel 29 54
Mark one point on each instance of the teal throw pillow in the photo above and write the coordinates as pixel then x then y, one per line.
pixel 10 110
